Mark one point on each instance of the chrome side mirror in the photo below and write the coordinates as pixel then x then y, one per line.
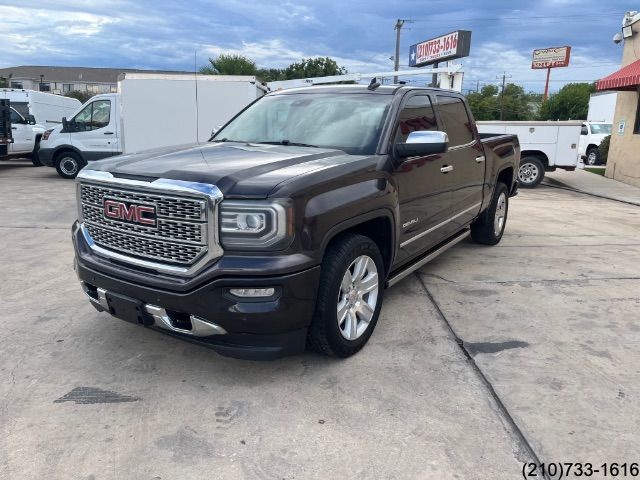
pixel 422 143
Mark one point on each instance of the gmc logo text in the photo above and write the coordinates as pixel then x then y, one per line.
pixel 143 214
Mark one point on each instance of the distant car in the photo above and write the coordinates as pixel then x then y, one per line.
pixel 591 137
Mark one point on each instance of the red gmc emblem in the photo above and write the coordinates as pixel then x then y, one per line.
pixel 130 212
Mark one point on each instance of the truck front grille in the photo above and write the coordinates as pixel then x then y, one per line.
pixel 178 237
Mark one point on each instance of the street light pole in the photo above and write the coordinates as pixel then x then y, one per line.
pixel 396 58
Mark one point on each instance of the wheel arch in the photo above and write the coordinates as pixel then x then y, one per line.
pixel 539 154
pixel 65 148
pixel 378 225
pixel 507 176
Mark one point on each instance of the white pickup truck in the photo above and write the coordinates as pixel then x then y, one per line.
pixel 591 137
pixel 545 146
pixel 26 135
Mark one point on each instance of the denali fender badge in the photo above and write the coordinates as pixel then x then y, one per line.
pixel 410 222
pixel 130 212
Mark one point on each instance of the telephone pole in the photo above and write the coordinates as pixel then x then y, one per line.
pixel 398 26
pixel 505 75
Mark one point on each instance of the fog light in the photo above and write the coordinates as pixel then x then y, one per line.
pixel 252 292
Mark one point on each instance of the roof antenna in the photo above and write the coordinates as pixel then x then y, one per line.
pixel 374 84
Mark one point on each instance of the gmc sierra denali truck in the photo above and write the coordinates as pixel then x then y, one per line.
pixel 284 230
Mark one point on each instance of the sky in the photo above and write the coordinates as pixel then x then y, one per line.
pixel 174 35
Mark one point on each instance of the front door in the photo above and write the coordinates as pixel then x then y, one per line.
pixel 22 132
pixel 466 159
pixel 93 130
pixel 423 188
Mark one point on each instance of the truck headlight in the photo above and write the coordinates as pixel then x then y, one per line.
pixel 253 225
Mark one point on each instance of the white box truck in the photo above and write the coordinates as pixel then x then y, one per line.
pixel 148 111
pixel 46 108
pixel 544 146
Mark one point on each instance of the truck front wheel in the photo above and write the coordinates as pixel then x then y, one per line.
pixel 593 157
pixel 489 228
pixel 531 172
pixel 35 155
pixel 68 164
pixel 349 297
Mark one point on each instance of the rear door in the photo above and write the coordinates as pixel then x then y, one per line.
pixel 465 157
pixel 423 189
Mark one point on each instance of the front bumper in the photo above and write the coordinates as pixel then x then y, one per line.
pixel 45 155
pixel 208 314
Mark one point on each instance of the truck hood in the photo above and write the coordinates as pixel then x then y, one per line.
pixel 238 169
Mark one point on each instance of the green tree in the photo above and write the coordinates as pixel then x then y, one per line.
pixel 82 96
pixel 516 104
pixel 3 82
pixel 603 149
pixel 314 67
pixel 230 64
pixel 571 102
pixel 271 74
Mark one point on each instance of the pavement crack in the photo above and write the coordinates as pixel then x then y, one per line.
pixel 485 381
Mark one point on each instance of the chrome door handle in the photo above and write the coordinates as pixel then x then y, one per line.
pixel 447 169
pixel 480 159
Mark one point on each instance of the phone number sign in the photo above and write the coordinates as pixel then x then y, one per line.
pixel 447 47
pixel 551 57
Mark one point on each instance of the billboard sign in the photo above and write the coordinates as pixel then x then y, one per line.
pixel 447 47
pixel 551 57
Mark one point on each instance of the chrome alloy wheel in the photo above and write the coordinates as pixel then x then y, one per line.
pixel 528 173
pixel 501 214
pixel 592 158
pixel 358 297
pixel 69 166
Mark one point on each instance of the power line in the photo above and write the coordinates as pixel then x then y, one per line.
pixel 527 18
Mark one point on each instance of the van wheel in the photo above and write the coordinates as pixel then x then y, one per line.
pixel 35 155
pixel 69 164
pixel 531 172
pixel 489 228
pixel 349 297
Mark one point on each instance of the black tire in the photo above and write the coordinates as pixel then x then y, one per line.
pixel 68 164
pixel 35 155
pixel 593 157
pixel 531 172
pixel 325 335
pixel 486 229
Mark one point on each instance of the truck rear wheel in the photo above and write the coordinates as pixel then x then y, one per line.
pixel 68 164
pixel 489 228
pixel 531 172
pixel 349 297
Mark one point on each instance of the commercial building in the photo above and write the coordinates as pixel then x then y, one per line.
pixel 63 80
pixel 624 152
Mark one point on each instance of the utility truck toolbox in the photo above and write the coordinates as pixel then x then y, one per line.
pixel 283 231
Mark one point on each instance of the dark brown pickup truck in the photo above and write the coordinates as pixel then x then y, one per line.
pixel 283 232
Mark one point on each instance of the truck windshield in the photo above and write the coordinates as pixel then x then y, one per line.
pixel 348 122
pixel 601 128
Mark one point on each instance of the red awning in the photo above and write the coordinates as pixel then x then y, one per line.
pixel 627 78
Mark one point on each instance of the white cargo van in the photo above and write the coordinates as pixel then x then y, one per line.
pixel 46 108
pixel 149 111
pixel 544 146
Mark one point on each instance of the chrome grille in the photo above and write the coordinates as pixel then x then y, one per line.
pixel 179 236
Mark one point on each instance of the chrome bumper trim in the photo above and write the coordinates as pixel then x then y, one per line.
pixel 199 326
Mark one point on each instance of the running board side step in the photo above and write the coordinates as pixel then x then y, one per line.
pixel 415 266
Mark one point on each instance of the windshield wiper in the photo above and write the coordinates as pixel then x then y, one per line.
pixel 227 140
pixel 288 143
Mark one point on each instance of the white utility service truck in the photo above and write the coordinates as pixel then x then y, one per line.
pixel 46 108
pixel 544 146
pixel 148 111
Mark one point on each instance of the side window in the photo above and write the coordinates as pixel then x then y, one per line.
pixel 456 120
pixel 95 115
pixel 417 115
pixel 101 114
pixel 15 117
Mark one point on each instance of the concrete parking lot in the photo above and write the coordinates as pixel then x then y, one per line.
pixel 488 357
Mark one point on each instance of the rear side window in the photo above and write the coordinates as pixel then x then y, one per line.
pixel 416 116
pixel 456 120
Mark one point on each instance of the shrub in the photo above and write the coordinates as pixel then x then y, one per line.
pixel 603 149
